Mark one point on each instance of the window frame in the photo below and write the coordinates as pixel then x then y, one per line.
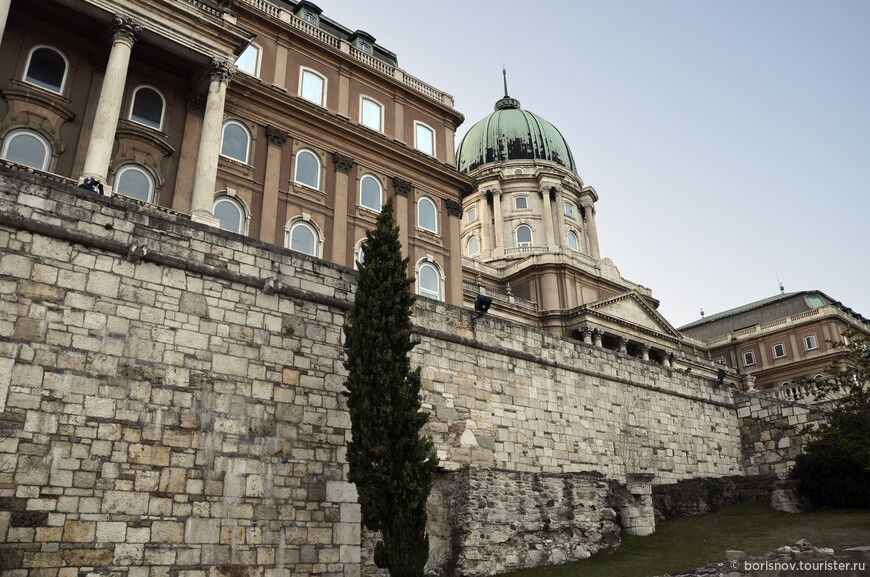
pixel 362 104
pixel 359 252
pixel 258 59
pixel 13 134
pixel 163 105
pixel 468 252
pixel 63 83
pixel 528 243
pixel 569 209
pixel 748 358
pixel 369 176
pixel 525 200
pixel 782 346
pixel 435 214
pixel 815 342
pixel 425 292
pixel 422 125
pixel 243 213
pixel 319 168
pixel 302 222
pixel 248 144
pixel 571 234
pixel 152 192
pixel 471 214
pixel 519 172
pixel 305 71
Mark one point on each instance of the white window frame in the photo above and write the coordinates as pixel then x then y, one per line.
pixel 525 200
pixel 428 263
pixel 12 135
pixel 358 253
pixel 63 81
pixel 314 18
pixel 572 234
pixel 244 127
pixel 304 221
pixel 519 172
pixel 303 73
pixel 258 59
pixel 569 210
pixel 162 107
pixel 468 250
pixel 530 242
pixel 319 168
pixel 363 100
pixel 377 181
pixel 417 145
pixel 243 213
pixel 808 339
pixel 782 346
pixel 135 168
pixel 426 200
pixel 471 214
pixel 748 358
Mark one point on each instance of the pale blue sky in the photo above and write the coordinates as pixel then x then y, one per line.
pixel 729 142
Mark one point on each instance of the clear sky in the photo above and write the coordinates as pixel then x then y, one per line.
pixel 728 141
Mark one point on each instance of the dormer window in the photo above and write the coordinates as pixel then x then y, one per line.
pixel 309 17
pixel 365 47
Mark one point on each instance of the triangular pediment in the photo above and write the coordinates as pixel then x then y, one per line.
pixel 631 308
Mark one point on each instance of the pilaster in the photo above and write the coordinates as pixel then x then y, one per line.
pixel 275 139
pixel 342 164
pixel 403 188
pixel 454 229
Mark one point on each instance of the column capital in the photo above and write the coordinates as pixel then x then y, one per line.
pixel 453 208
pixel 493 192
pixel 403 187
pixel 276 136
pixel 124 29
pixel 547 189
pixel 221 70
pixel 343 163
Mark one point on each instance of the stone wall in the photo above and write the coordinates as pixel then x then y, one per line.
pixel 701 496
pixel 171 396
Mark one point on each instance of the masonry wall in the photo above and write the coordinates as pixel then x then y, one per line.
pixel 170 398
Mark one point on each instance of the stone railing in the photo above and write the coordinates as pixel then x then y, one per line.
pixel 500 296
pixel 778 324
pixel 791 392
pixel 383 67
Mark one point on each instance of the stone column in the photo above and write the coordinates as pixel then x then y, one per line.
pixel 454 229
pixel 623 346
pixel 124 35
pixel 485 224
pixel 497 247
pixel 561 225
pixel 644 352
pixel 403 188
pixel 666 359
pixel 275 139
pixel 548 217
pixel 596 336
pixel 4 14
pixel 586 332
pixel 343 164
pixel 205 172
pixel 591 229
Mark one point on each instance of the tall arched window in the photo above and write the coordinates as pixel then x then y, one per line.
pixel 308 169
pixel 429 281
pixel 236 141
pixel 134 181
pixel 148 107
pixel 371 192
pixel 28 148
pixel 572 241
pixel 230 213
pixel 427 214
pixel 47 68
pixel 524 235
pixel 473 246
pixel 303 237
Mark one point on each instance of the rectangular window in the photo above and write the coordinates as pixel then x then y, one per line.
pixel 748 358
pixel 249 61
pixel 521 202
pixel 569 209
pixel 372 114
pixel 424 139
pixel 810 341
pixel 471 214
pixel 778 350
pixel 312 87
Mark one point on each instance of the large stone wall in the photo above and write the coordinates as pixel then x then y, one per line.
pixel 171 401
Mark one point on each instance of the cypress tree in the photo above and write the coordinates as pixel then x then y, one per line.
pixel 390 462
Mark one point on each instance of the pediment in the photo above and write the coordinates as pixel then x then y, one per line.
pixel 631 308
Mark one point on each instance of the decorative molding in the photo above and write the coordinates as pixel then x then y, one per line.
pixel 124 29
pixel 276 136
pixel 343 163
pixel 403 187
pixel 221 70
pixel 453 208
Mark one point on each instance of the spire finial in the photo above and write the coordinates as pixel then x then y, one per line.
pixel 506 102
pixel 504 73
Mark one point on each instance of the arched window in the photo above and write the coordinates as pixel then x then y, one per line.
pixel 230 213
pixel 572 241
pixel 303 237
pixel 427 214
pixel 47 68
pixel 28 148
pixel 312 86
pixel 524 235
pixel 473 246
pixel 308 169
pixel 134 181
pixel 424 138
pixel 249 60
pixel 371 114
pixel 148 107
pixel 236 141
pixel 371 192
pixel 429 281
pixel 359 254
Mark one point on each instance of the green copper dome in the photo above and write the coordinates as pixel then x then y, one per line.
pixel 511 133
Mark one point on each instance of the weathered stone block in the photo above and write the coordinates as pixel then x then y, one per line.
pixel 79 532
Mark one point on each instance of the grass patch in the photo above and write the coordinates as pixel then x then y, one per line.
pixel 693 542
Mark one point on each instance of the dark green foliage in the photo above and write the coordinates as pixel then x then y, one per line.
pixel 391 464
pixel 835 468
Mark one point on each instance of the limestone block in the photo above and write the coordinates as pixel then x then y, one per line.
pixel 125 502
pixel 149 455
pixel 202 530
pixel 79 532
pixel 128 554
pixel 111 531
pixel 16 265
